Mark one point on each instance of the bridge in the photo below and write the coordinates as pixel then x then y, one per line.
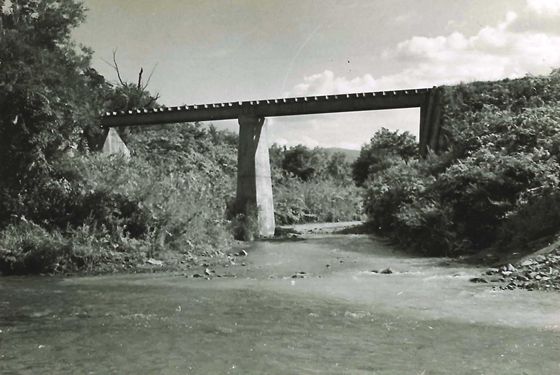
pixel 254 186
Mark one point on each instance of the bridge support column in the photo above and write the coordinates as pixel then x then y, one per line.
pixel 254 183
pixel 114 144
pixel 430 121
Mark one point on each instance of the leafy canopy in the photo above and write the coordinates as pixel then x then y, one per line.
pixel 377 155
pixel 50 97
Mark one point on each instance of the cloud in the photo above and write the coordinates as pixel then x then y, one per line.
pixel 326 83
pixel 539 16
pixel 518 45
pixel 494 52
pixel 549 8
pixel 505 50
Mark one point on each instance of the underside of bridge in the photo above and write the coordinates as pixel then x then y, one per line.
pixel 254 186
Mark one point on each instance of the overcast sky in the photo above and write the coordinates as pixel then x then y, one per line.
pixel 213 51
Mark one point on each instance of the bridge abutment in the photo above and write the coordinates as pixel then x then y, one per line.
pixel 430 121
pixel 254 183
pixel 114 144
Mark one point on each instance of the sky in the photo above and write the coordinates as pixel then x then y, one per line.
pixel 209 51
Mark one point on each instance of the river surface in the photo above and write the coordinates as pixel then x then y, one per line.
pixel 337 318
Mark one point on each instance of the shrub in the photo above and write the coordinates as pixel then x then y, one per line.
pixel 535 220
pixel 426 226
pixel 495 182
pixel 312 185
pixel 376 156
pixel 27 248
pixel 244 226
pixel 141 207
pixel 483 188
pixel 170 196
pixel 326 200
pixel 399 184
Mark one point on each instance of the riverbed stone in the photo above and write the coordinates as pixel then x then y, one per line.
pixel 154 262
pixel 478 280
pixel 539 273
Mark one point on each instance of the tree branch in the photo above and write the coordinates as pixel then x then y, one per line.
pixel 116 66
pixel 149 77
pixel 139 85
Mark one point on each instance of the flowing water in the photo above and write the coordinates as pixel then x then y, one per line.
pixel 340 318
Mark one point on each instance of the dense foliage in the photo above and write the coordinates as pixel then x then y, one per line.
pixel 49 95
pixel 384 148
pixel 313 185
pixel 63 208
pixel 494 183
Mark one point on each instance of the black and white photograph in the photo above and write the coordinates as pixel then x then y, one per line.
pixel 278 187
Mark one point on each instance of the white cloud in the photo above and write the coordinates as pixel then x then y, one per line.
pixel 504 50
pixel 494 52
pixel 326 83
pixel 544 7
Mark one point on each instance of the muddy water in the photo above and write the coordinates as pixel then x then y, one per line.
pixel 340 318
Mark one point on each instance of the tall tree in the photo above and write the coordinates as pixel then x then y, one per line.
pixel 49 95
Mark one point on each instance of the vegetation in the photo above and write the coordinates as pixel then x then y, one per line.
pixel 111 210
pixel 383 150
pixel 63 208
pixel 313 185
pixel 495 182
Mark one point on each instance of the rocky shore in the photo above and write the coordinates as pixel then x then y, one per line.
pixel 540 272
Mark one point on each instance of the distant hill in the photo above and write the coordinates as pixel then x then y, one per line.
pixel 351 155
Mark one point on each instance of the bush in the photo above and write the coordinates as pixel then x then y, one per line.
pixel 390 188
pixel 28 248
pixel 535 222
pixel 376 156
pixel 328 200
pixel 495 182
pixel 312 185
pixel 170 196
pixel 482 189
pixel 141 208
pixel 244 226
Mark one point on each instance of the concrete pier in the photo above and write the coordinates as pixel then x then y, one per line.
pixel 254 183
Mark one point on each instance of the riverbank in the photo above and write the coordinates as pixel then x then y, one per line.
pixel 232 262
pixel 537 271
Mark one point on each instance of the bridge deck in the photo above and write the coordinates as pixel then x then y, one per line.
pixel 269 108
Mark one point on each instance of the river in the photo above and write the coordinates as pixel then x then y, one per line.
pixel 296 307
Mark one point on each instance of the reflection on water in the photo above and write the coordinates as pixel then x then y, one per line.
pixel 340 319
